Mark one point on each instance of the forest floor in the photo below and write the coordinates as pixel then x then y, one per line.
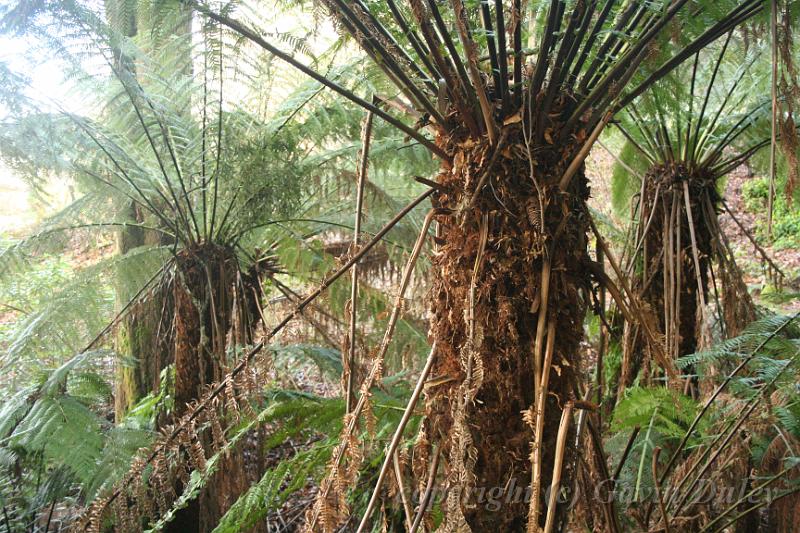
pixel 788 258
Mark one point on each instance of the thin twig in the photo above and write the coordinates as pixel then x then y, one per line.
pixel 13 308
pixel 774 119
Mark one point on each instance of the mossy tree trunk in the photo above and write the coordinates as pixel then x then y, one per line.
pixel 492 303
pixel 143 341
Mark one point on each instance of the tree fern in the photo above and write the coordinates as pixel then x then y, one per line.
pixel 117 158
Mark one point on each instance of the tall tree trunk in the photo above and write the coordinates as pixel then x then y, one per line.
pixel 143 340
pixel 144 350
pixel 489 304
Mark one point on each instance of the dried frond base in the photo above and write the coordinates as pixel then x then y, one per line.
pixel 666 275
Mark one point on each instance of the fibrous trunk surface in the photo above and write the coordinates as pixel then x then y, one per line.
pixel 486 303
pixel 203 308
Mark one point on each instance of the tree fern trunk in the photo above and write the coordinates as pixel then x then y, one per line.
pixel 202 317
pixel 667 278
pixel 205 311
pixel 487 300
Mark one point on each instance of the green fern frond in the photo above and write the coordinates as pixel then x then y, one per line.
pixel 329 361
pixel 81 309
pixel 63 421
pixel 275 486
pixel 120 444
pixel 65 431
pixel 751 338
pixel 672 412
pixel 283 406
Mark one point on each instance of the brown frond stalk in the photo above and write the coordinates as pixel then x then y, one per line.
pixel 363 165
pixel 474 73
pixel 429 486
pixel 659 493
pixel 558 464
pixel 541 388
